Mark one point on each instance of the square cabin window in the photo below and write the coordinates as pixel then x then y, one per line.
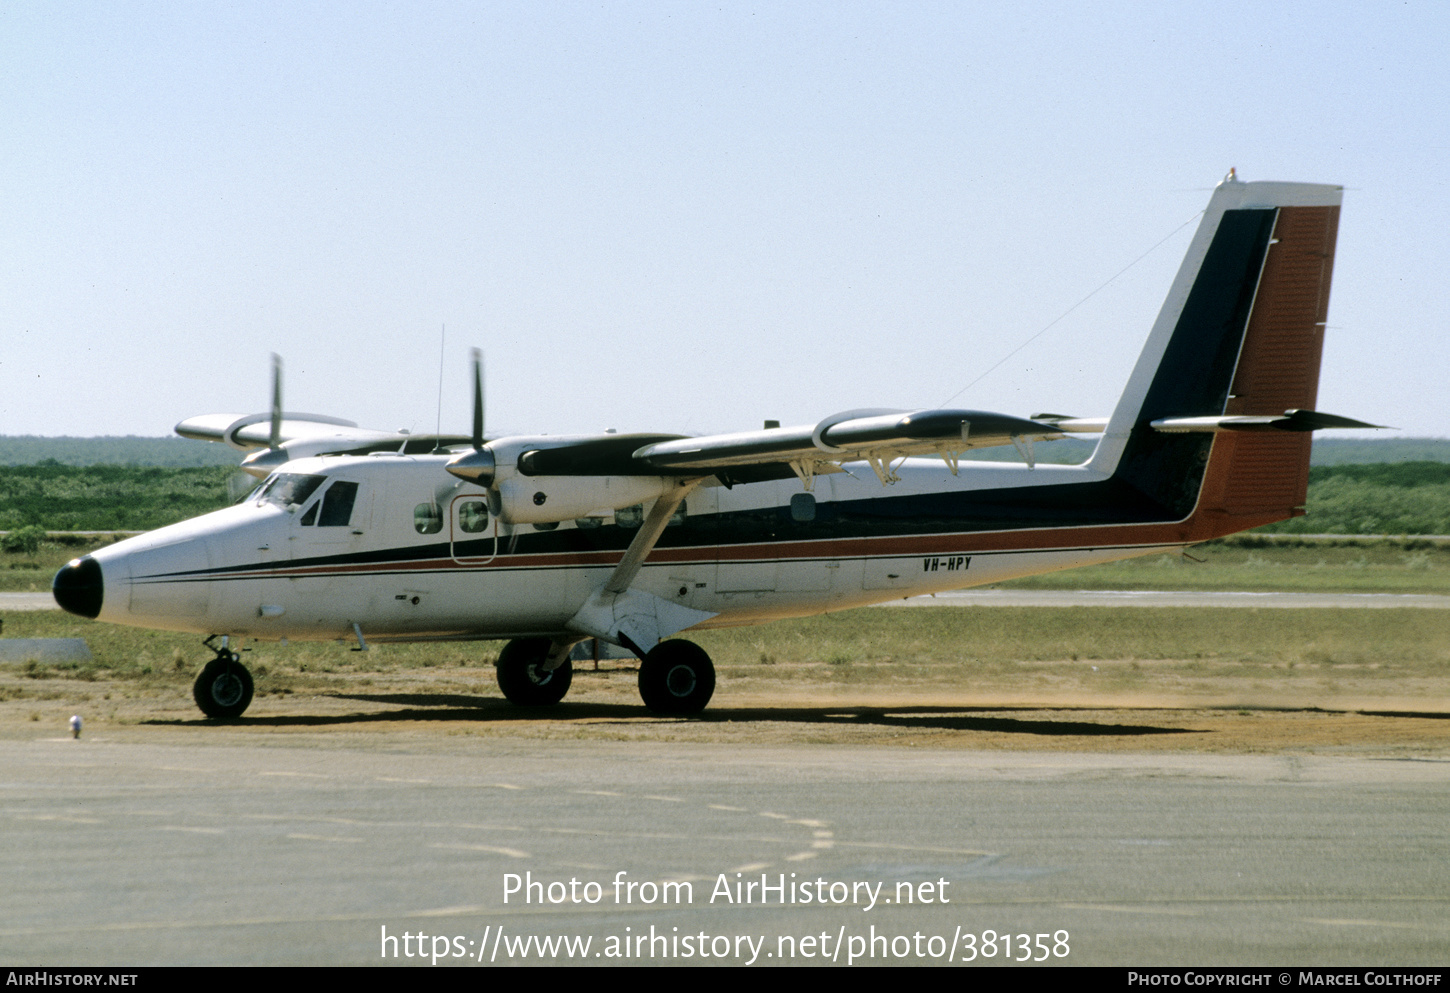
pixel 472 516
pixel 427 518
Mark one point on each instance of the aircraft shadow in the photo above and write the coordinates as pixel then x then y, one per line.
pixel 423 707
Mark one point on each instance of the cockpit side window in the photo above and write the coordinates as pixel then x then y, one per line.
pixel 289 489
pixel 255 493
pixel 337 504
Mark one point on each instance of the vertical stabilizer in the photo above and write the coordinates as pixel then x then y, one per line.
pixel 1241 332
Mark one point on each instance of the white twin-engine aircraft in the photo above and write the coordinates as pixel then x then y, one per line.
pixel 629 539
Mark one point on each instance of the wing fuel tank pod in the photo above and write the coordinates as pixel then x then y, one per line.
pixel 79 587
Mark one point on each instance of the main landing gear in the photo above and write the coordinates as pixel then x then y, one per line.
pixel 224 688
pixel 523 678
pixel 675 677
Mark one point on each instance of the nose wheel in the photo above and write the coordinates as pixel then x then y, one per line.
pixel 224 688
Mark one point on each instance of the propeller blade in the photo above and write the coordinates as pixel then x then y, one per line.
pixel 477 399
pixel 276 435
pixel 478 465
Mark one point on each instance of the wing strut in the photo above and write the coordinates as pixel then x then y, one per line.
pixel 630 617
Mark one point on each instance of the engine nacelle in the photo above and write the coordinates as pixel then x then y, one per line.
pixel 548 499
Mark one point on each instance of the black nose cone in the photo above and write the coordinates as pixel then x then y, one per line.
pixel 78 587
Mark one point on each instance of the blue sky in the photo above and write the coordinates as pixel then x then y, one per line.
pixel 683 217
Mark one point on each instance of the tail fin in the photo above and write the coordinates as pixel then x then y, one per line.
pixel 1240 333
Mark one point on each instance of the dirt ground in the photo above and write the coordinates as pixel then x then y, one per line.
pixel 426 708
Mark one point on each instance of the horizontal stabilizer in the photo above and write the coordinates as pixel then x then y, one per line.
pixel 1290 420
pixel 1074 425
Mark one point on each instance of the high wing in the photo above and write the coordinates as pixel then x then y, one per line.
pixel 277 436
pixel 252 431
pixel 877 437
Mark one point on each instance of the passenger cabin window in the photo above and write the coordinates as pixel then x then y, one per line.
pixel 472 516
pixel 630 517
pixel 802 507
pixel 427 518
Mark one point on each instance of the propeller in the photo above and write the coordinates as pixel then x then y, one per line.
pixel 275 438
pixel 262 463
pixel 477 466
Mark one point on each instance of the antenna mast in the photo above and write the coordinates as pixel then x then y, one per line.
pixel 438 428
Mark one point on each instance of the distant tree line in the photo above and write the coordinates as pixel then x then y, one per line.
pixel 1381 498
pixel 128 450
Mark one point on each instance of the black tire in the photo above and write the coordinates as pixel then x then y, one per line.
pixel 522 678
pixel 224 688
pixel 676 677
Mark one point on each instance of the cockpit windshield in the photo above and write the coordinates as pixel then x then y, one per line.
pixel 288 489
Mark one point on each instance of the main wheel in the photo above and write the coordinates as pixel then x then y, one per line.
pixel 676 677
pixel 224 688
pixel 522 677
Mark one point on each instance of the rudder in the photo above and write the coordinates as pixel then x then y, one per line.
pixel 1241 333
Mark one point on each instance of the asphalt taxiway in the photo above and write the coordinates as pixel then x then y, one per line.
pixel 237 850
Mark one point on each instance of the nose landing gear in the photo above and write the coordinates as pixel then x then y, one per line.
pixel 224 688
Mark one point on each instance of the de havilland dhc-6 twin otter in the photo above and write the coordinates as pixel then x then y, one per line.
pixel 550 541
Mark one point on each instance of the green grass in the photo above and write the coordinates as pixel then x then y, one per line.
pixel 1252 564
pixel 998 637
pixel 1372 653
pixel 164 659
